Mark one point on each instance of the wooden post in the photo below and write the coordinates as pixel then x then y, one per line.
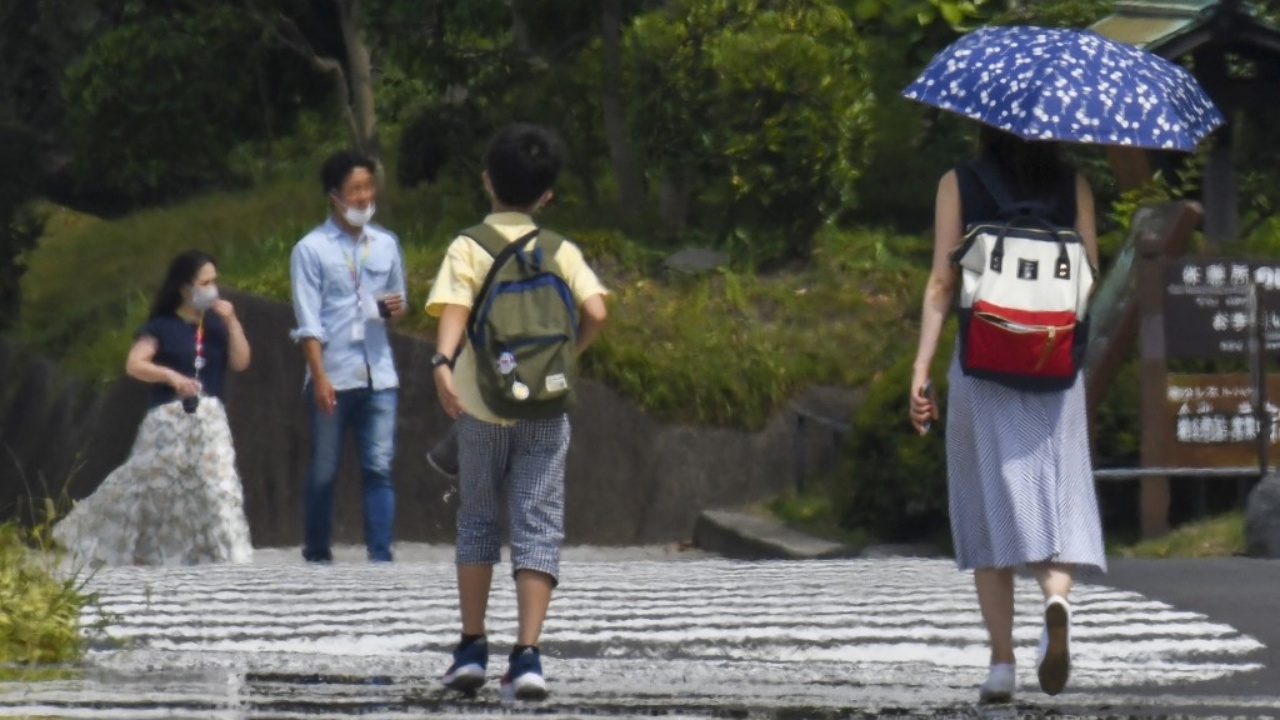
pixel 1258 366
pixel 1114 325
pixel 1221 195
pixel 1221 204
pixel 1154 501
pixel 1131 166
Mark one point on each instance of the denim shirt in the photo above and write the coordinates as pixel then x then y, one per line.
pixel 326 306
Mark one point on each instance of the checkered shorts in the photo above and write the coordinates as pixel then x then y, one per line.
pixel 526 461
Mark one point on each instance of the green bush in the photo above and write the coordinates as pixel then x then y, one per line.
pixel 39 612
pixel 898 479
pixel 1117 421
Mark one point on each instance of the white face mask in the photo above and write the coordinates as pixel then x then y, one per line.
pixel 203 298
pixel 357 218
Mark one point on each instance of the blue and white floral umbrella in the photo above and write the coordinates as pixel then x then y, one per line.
pixel 1068 85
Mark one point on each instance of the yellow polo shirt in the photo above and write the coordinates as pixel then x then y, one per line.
pixel 465 266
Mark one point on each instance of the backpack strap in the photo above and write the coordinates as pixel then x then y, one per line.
pixel 993 181
pixel 495 243
pixel 489 238
pixel 548 245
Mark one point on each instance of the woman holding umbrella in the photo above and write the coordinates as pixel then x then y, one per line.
pixel 999 438
pixel 1019 475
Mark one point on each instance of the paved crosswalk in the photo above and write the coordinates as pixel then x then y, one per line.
pixel 279 639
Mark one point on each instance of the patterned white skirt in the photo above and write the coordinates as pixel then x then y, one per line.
pixel 177 500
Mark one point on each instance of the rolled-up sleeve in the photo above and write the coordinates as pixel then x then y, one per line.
pixel 307 284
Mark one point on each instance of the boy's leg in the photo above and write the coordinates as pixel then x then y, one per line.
pixel 474 582
pixel 483 464
pixel 536 498
pixel 374 420
pixel 536 495
pixel 317 493
pixel 482 456
pixel 533 598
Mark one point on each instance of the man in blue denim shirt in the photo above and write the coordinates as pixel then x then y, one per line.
pixel 348 280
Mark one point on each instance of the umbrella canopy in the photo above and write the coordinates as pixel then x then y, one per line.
pixel 1068 85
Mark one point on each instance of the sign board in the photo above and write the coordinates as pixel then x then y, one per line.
pixel 1212 422
pixel 1206 305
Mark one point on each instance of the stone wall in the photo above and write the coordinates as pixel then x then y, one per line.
pixel 630 479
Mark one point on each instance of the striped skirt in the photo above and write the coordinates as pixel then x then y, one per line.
pixel 1019 477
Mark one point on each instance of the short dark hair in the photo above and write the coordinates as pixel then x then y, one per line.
pixel 337 168
pixel 523 162
pixel 182 272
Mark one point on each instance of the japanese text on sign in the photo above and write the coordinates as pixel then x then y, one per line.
pixel 1207 310
pixel 1213 420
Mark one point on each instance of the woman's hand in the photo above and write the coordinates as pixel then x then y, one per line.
pixel 923 407
pixel 224 309
pixel 184 386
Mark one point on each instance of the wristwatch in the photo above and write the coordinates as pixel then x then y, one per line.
pixel 441 359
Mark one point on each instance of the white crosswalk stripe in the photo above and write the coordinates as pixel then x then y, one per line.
pixel 679 634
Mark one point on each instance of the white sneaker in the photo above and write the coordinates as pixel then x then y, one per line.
pixel 1054 661
pixel 1002 678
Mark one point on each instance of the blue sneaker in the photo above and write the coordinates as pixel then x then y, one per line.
pixel 524 680
pixel 466 674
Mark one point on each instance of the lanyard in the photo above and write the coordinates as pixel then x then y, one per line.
pixel 200 345
pixel 352 267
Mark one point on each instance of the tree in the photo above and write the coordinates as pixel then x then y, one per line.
pixel 463 69
pixel 760 106
pixel 20 227
pixel 613 105
pixel 154 106
pixel 349 63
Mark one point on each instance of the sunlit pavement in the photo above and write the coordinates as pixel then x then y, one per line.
pixel 643 632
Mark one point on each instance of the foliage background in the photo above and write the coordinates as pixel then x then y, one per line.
pixel 768 130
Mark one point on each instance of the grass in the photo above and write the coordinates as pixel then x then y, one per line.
pixel 725 348
pixel 1219 536
pixel 814 513
pixel 39 610
pixel 818 514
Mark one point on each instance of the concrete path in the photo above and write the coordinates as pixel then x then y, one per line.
pixel 653 631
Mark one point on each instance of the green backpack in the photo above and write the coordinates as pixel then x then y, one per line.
pixel 523 327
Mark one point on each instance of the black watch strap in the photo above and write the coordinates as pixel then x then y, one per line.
pixel 441 359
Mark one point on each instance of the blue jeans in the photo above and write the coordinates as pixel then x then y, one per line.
pixel 371 414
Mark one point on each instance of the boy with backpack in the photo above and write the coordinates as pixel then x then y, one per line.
pixel 528 305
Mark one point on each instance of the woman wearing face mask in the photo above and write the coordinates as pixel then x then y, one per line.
pixel 177 500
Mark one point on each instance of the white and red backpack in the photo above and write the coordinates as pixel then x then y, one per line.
pixel 1024 293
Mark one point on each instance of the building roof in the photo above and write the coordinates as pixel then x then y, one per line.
pixel 1147 22
pixel 1173 28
